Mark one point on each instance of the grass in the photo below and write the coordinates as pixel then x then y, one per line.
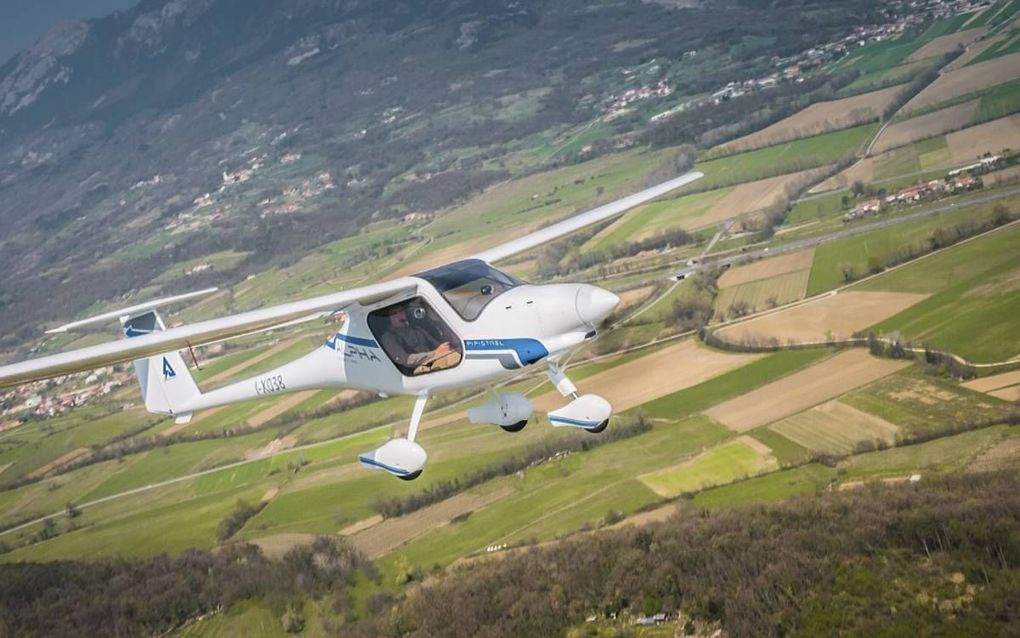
pixel 731 384
pixel 829 433
pixel 922 404
pixel 801 154
pixel 37 443
pixel 876 248
pixel 722 464
pixel 653 218
pixel 883 78
pixel 941 456
pixel 974 304
pixel 1009 44
pixel 764 293
pixel 787 451
pixel 556 497
pixel 815 209
pixel 770 488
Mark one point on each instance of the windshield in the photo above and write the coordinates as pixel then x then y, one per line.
pixel 469 285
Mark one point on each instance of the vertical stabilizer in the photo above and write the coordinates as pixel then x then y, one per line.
pixel 166 383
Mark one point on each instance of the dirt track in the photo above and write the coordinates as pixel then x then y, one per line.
pixel 838 316
pixel 802 390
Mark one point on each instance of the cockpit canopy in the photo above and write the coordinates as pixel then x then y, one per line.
pixel 469 285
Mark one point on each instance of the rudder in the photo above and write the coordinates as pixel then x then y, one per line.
pixel 165 381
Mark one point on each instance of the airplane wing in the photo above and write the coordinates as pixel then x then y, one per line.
pixel 195 334
pixel 245 323
pixel 577 222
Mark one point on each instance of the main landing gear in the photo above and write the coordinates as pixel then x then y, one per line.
pixel 590 412
pixel 403 458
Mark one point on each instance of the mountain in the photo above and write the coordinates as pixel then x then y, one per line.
pixel 180 128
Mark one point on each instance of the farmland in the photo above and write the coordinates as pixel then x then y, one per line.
pixel 818 118
pixel 967 80
pixel 802 390
pixel 972 298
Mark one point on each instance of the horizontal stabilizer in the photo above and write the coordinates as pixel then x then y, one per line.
pixel 131 311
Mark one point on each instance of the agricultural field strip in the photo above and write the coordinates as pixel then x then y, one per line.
pixel 837 316
pixel 967 80
pixel 968 144
pixel 924 126
pixel 802 390
pixel 994 382
pixel 820 117
pixel 947 43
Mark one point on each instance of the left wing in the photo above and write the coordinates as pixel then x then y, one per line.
pixel 194 334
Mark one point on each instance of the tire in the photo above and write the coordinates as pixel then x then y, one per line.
pixel 410 477
pixel 516 427
pixel 599 428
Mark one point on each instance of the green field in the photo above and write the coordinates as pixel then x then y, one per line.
pixel 798 155
pixel 974 304
pixel 770 488
pixel 557 497
pixel 722 464
pixel 876 249
pixel 815 209
pixel 921 404
pixel 883 78
pixel 653 218
pixel 787 451
pixel 941 456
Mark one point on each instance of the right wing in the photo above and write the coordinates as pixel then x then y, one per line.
pixel 577 222
pixel 195 334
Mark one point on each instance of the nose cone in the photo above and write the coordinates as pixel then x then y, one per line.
pixel 594 304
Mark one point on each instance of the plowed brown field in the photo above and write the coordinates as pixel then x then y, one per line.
pixel 802 390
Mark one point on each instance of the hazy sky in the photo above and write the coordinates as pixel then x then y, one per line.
pixel 23 21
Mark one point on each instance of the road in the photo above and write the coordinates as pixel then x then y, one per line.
pixel 800 244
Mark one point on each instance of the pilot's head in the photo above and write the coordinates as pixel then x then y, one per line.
pixel 397 315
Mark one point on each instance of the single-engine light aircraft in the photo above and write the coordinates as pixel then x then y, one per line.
pixel 464 324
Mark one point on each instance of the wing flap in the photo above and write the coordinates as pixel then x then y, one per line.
pixel 196 334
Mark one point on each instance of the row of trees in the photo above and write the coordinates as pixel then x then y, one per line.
pixel 394 506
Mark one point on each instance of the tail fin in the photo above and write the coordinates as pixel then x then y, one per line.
pixel 166 383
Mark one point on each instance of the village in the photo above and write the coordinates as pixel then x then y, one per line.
pixel 53 397
pixel 956 181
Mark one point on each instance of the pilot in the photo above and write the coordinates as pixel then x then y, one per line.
pixel 410 345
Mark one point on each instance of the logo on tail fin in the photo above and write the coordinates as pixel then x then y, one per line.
pixel 168 371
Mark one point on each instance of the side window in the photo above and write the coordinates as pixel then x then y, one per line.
pixel 415 338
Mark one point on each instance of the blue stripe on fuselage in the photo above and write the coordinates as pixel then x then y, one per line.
pixel 528 350
pixel 355 341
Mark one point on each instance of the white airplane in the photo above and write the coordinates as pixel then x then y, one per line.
pixel 461 325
